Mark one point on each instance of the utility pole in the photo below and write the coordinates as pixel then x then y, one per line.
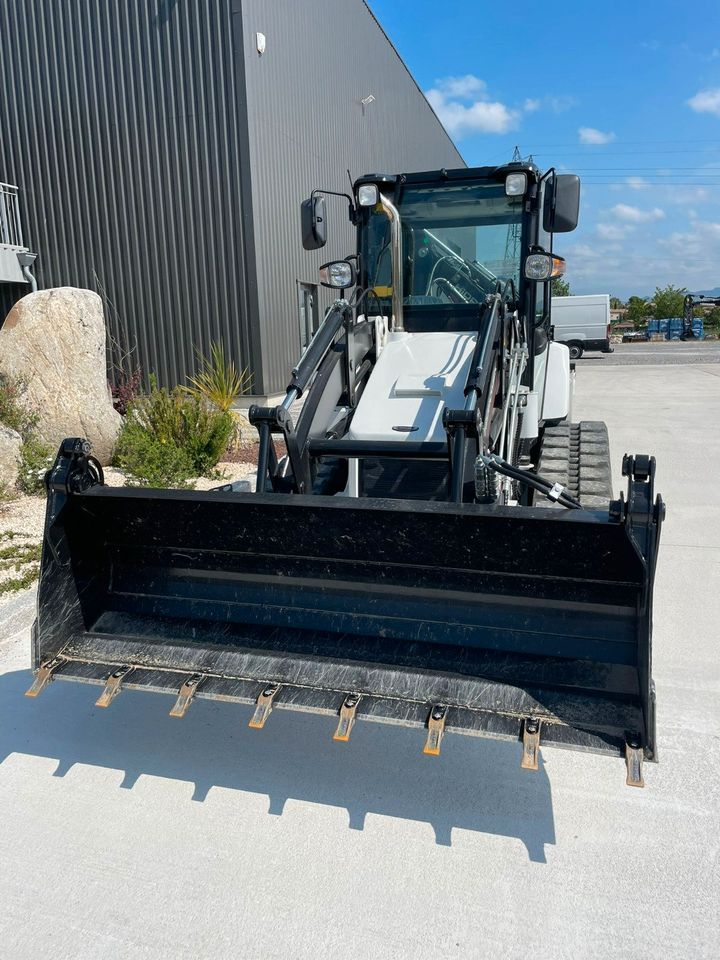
pixel 512 243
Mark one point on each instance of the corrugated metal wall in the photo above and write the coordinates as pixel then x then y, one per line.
pixel 124 124
pixel 307 127
pixel 121 121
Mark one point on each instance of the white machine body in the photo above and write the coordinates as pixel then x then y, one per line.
pixel 416 376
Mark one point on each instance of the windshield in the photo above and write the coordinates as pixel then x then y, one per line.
pixel 458 241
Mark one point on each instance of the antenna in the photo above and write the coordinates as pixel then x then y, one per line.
pixel 517 157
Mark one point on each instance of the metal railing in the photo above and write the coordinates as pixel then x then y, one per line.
pixel 10 225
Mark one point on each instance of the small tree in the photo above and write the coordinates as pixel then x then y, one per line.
pixel 711 320
pixel 638 311
pixel 669 301
pixel 616 303
pixel 560 288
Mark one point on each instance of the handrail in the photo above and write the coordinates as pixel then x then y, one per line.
pixel 10 224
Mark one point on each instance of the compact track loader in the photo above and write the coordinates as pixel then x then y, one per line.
pixel 432 541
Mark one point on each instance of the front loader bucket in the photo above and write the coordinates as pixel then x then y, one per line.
pixel 508 622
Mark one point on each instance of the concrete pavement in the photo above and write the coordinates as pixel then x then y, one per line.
pixel 663 353
pixel 124 833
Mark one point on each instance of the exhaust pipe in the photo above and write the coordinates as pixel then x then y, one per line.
pixel 396 260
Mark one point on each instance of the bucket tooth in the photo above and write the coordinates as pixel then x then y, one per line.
pixel 44 675
pixel 186 694
pixel 348 713
pixel 263 706
pixel 531 743
pixel 634 762
pixel 436 730
pixel 113 686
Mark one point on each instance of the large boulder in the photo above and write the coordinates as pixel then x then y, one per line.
pixel 10 443
pixel 55 341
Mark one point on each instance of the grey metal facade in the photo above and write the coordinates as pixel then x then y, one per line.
pixel 162 159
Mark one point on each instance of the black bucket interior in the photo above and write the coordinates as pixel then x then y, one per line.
pixel 544 599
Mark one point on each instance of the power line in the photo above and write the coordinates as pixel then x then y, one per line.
pixel 620 153
pixel 696 167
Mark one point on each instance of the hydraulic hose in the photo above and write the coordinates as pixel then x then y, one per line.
pixel 554 492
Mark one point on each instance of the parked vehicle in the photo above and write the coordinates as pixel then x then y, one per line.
pixel 438 548
pixel 582 323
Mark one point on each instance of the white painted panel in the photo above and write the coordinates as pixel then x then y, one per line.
pixel 556 399
pixel 416 377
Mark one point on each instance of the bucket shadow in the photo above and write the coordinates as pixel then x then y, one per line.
pixel 476 784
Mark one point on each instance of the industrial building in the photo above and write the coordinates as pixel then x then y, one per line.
pixel 161 149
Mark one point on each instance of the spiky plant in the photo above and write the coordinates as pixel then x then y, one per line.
pixel 218 380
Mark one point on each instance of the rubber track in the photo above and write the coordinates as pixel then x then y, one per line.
pixel 578 456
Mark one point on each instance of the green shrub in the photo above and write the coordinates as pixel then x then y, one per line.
pixel 206 433
pixel 36 458
pixel 12 410
pixel 5 494
pixel 170 436
pixel 150 461
pixel 22 558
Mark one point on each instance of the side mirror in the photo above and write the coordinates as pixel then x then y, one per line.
pixel 562 203
pixel 338 273
pixel 314 225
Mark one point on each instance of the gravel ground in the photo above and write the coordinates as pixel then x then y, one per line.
pixel 25 515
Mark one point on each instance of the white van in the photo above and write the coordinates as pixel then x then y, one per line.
pixel 582 323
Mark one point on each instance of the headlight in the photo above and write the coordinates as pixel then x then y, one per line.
pixel 516 184
pixel 368 195
pixel 544 266
pixel 337 273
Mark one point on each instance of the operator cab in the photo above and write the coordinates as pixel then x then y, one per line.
pixel 459 239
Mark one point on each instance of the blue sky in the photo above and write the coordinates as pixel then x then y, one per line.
pixel 625 94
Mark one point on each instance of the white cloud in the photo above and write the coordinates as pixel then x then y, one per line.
pixel 610 231
pixel 558 104
pixel 623 211
pixel 462 87
pixel 706 101
pixel 704 238
pixel 479 114
pixel 605 262
pixel 637 183
pixel 562 103
pixel 591 135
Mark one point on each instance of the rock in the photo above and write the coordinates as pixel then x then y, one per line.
pixel 10 442
pixel 55 341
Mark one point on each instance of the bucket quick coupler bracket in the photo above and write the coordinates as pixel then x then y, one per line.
pixel 74 471
pixel 278 420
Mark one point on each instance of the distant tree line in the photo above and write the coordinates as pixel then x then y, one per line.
pixel 665 303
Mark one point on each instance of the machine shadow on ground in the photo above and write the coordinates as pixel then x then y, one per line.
pixel 476 784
